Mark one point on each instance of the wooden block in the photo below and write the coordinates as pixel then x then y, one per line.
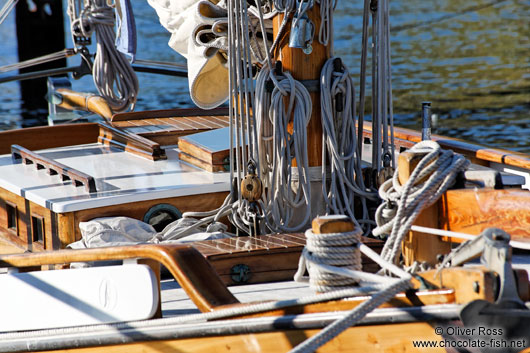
pixel 211 147
pixel 332 224
pixel 469 283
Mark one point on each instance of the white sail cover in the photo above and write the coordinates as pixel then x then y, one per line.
pixel 199 32
pixel 189 21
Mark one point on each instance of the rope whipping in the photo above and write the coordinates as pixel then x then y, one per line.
pixel 113 74
pixel 433 175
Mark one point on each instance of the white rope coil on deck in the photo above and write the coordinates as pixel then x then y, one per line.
pixel 336 249
pixel 433 175
pixel 321 256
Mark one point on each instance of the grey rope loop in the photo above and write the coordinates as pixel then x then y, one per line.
pixel 113 74
pixel 339 140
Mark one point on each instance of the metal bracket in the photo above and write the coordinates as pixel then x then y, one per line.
pixel 240 273
pixel 494 245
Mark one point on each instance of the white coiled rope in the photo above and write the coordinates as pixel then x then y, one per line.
pixel 433 175
pixel 113 74
pixel 322 256
pixel 336 249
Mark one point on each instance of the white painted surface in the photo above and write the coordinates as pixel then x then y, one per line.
pixel 63 298
pixel 121 177
pixel 176 302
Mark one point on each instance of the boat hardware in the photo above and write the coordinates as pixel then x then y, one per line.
pixel 426 124
pixel 77 177
pixel 496 252
pixel 251 190
pixel 302 28
pixel 240 273
pixel 77 72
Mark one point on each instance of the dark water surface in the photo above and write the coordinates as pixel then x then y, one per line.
pixel 470 59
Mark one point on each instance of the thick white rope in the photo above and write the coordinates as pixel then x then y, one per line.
pixel 321 256
pixel 337 249
pixel 113 74
pixel 434 174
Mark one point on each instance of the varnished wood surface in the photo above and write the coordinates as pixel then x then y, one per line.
pixel 169 113
pixel 212 168
pixel 187 265
pixel 306 67
pixel 36 138
pixel 211 147
pixel 475 153
pixel 359 339
pixel 471 211
pixel 84 101
pixel 268 258
pixel 332 224
pixel 166 126
pixel 111 136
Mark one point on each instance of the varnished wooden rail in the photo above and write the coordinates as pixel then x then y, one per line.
pixel 169 113
pixel 84 101
pixel 189 268
pixel 109 135
pixel 53 167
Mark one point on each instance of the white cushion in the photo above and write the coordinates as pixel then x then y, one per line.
pixel 62 298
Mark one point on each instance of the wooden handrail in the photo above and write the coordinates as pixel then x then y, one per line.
pixel 189 268
pixel 54 167
pixel 129 142
pixel 89 102
pixel 169 113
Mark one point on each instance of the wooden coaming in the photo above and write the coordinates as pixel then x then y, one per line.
pixel 36 138
pixel 475 153
pixel 62 229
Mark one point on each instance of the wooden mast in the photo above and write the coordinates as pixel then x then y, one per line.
pixel 306 67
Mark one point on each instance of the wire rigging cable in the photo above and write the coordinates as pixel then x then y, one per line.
pixel 113 74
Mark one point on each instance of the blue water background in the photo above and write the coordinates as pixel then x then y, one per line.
pixel 470 59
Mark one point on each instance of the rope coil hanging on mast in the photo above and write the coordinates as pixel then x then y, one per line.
pixel 113 74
